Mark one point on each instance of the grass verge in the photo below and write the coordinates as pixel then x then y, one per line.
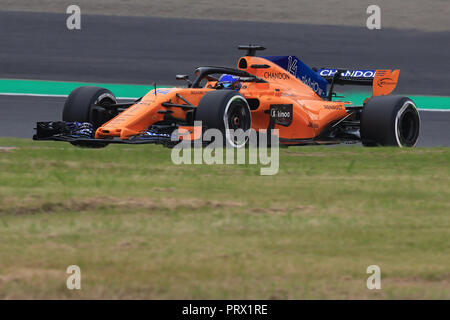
pixel 141 227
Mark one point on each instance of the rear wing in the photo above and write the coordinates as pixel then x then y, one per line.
pixel 383 82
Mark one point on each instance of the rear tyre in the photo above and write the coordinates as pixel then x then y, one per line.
pixel 226 111
pixel 390 121
pixel 87 104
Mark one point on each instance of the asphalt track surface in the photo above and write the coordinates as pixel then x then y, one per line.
pixel 20 123
pixel 143 50
pixel 115 49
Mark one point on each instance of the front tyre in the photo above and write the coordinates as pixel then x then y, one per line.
pixel 89 104
pixel 390 121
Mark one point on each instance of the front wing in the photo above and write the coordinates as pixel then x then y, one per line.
pixel 83 134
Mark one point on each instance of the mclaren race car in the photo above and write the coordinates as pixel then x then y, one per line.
pixel 262 93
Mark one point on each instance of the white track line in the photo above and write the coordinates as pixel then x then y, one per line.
pixel 439 110
pixel 48 95
pixel 34 95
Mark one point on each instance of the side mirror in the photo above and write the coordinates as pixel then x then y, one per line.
pixel 184 77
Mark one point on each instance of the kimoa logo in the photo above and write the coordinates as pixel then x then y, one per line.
pixel 280 114
pixel 276 75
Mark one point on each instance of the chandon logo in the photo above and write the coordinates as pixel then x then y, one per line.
pixel 276 75
pixel 348 73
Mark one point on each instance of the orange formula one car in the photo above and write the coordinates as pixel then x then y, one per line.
pixel 272 92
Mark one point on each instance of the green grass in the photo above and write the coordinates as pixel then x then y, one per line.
pixel 141 227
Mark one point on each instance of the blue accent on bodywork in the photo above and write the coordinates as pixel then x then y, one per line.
pixel 80 129
pixel 163 91
pixel 301 71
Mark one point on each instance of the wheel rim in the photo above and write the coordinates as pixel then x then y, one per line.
pixel 237 116
pixel 99 115
pixel 407 125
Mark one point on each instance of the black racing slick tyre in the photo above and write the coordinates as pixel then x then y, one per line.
pixel 86 104
pixel 227 111
pixel 390 121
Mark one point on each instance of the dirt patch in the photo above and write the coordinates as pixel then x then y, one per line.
pixel 429 15
pixel 26 274
pixel 282 210
pixel 76 164
pixel 80 205
pixel 320 154
pixel 30 206
pixel 7 149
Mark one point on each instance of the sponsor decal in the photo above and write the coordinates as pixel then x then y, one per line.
pixel 132 110
pixel 302 72
pixel 292 65
pixel 385 81
pixel 282 113
pixel 285 94
pixel 197 92
pixel 332 107
pixel 313 85
pixel 348 73
pixel 276 75
pixel 162 91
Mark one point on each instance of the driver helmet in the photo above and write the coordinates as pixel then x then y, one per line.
pixel 229 82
